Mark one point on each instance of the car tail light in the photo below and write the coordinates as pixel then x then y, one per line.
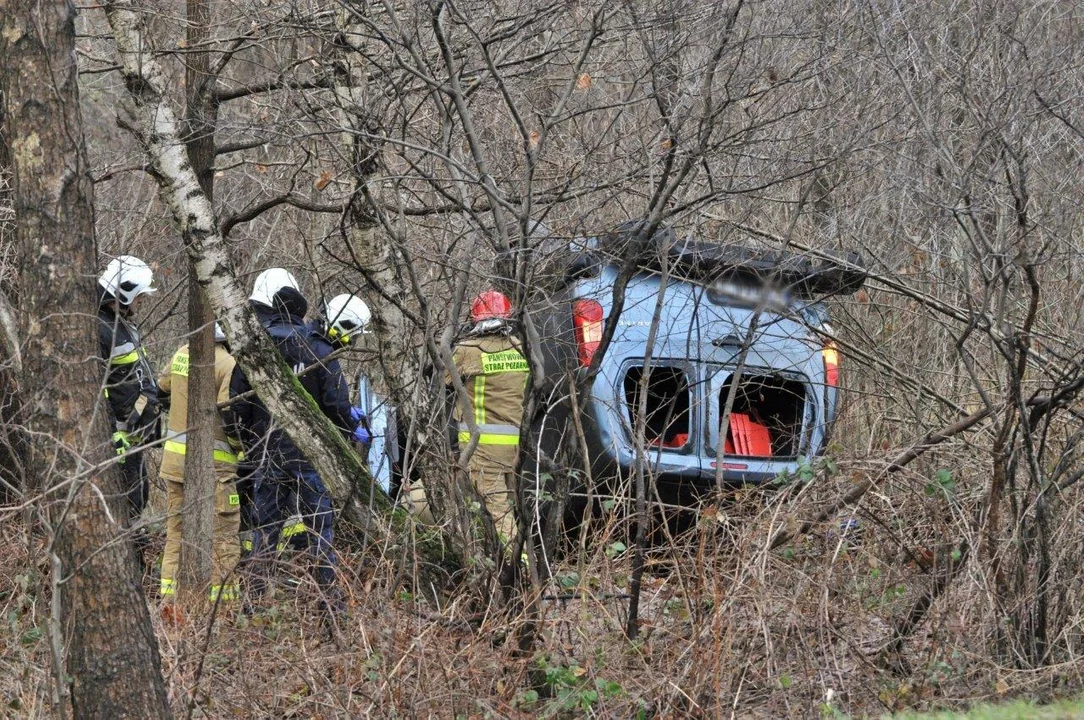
pixel 831 364
pixel 587 320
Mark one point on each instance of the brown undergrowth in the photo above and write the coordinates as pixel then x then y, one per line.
pixel 728 627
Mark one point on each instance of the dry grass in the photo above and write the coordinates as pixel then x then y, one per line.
pixel 727 627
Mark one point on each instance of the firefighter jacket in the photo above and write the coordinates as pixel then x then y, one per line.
pixel 265 445
pixel 264 313
pixel 174 383
pixel 494 373
pixel 130 379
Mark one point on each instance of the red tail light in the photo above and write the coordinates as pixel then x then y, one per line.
pixel 587 321
pixel 831 364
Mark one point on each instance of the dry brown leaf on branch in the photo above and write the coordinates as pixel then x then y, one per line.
pixel 325 178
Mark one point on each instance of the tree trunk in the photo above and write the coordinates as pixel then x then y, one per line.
pixel 372 251
pixel 194 572
pixel 112 655
pixel 154 122
pixel 12 448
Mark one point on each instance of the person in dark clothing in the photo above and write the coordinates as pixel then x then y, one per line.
pixel 131 388
pixel 267 283
pixel 283 475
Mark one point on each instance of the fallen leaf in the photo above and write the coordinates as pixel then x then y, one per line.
pixel 325 178
pixel 583 82
pixel 534 137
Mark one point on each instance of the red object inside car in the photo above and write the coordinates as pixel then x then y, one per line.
pixel 747 438
pixel 677 441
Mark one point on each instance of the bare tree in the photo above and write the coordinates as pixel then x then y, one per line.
pixel 199 471
pixel 113 664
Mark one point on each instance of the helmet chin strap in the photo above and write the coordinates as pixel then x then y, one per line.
pixel 117 306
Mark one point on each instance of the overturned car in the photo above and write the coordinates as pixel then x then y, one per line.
pixel 729 327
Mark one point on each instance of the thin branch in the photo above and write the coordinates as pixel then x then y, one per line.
pixel 239 146
pixel 229 223
pixel 110 174
pixel 225 95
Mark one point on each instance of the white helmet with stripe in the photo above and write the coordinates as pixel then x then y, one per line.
pixel 346 315
pixel 126 277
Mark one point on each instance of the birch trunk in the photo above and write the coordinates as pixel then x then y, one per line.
pixel 372 250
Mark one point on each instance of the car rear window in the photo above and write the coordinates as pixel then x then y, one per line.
pixel 668 420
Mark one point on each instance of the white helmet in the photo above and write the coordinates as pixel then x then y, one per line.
pixel 126 277
pixel 220 334
pixel 269 282
pixel 346 316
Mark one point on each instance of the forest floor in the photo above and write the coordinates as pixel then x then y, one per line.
pixel 724 631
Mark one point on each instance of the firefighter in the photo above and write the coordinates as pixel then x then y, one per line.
pixel 345 318
pixel 267 283
pixel 284 477
pixel 226 549
pixel 494 372
pixel 130 388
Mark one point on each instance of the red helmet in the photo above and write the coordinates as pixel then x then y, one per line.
pixel 489 305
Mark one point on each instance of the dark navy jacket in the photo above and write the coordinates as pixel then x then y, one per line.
pixel 266 445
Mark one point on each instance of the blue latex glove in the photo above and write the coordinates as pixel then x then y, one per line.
pixel 362 434
pixel 357 414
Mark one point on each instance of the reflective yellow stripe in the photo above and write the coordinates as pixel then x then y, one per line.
pixel 480 399
pixel 225 593
pixel 235 499
pixel 220 455
pixel 490 438
pixel 290 530
pixel 129 359
pixel 226 457
pixel 167 587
